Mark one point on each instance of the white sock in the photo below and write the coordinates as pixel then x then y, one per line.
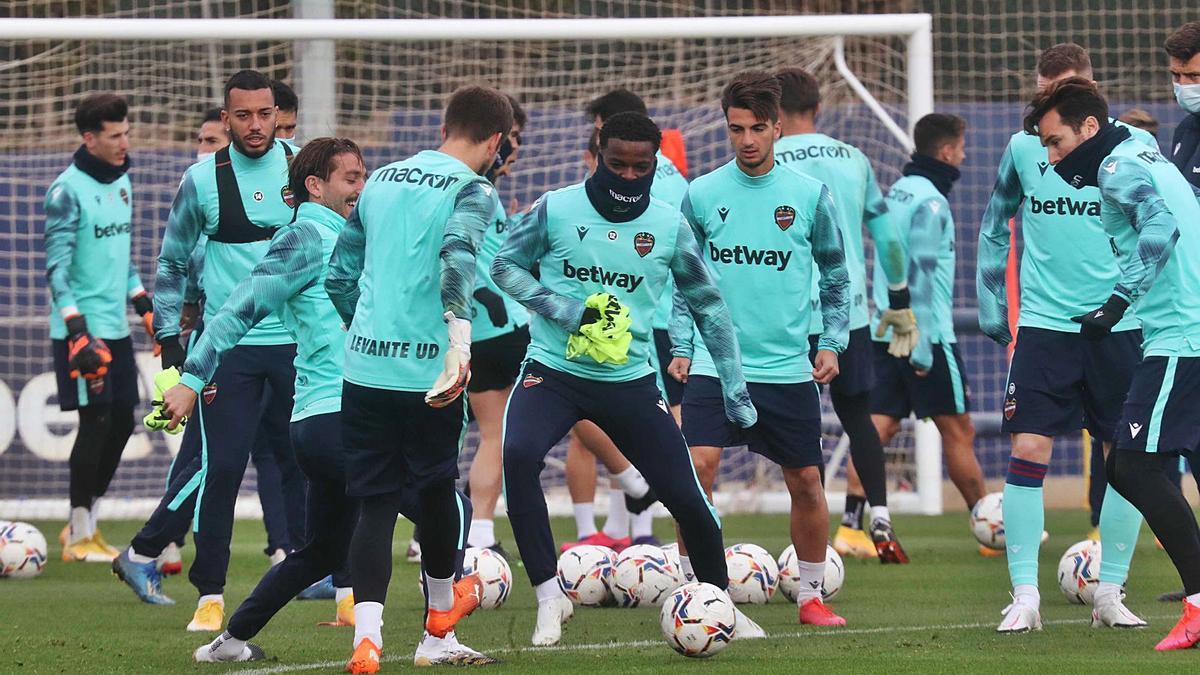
pixel 880 513
pixel 1027 594
pixel 368 622
pixel 139 559
pixel 81 525
pixel 1194 598
pixel 217 598
pixel 1107 592
pixel 585 519
pixel 811 576
pixel 92 513
pixel 548 590
pixel 686 563
pixel 617 523
pixel 340 594
pixel 483 533
pixel 229 646
pixel 631 482
pixel 440 593
pixel 643 524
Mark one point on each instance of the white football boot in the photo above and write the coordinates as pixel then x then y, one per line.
pixel 1020 618
pixel 745 628
pixel 551 615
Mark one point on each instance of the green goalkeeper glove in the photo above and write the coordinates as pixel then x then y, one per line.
pixel 157 420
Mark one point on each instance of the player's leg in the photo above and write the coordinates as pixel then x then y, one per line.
pixel 958 449
pixel 942 395
pixel 1097 484
pixel 581 485
pixel 270 497
pixel 629 494
pixel 123 378
pixel 707 433
pixel 672 388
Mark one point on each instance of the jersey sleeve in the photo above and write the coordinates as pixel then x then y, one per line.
pixel 346 266
pixel 1128 186
pixel 185 224
pixel 884 232
pixel 829 252
pixel 511 270
pixel 292 263
pixel 924 241
pixel 194 290
pixel 681 328
pixel 992 261
pixel 62 224
pixel 473 208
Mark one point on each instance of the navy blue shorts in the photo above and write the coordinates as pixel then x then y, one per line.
pixel 495 363
pixel 118 388
pixel 1160 410
pixel 1060 382
pixel 662 349
pixel 394 440
pixel 856 373
pixel 899 391
pixel 788 431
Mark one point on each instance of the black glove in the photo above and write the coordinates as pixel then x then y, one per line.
pixel 900 299
pixel 494 304
pixel 592 315
pixel 173 353
pixel 87 356
pixel 142 304
pixel 1098 323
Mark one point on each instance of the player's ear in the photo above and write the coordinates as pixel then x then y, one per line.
pixel 313 185
pixel 443 133
pixel 778 129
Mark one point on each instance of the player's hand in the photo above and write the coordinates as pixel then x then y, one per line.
pixel 739 409
pixel 600 307
pixel 825 366
pixel 177 405
pixel 456 369
pixel 922 358
pixel 1098 323
pixel 494 304
pixel 87 356
pixel 679 368
pixel 158 419
pixel 904 330
pixel 173 354
pixel 145 309
pixel 921 372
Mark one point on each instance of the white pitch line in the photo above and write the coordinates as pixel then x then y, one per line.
pixel 300 667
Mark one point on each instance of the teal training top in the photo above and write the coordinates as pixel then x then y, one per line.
pixel 1067 266
pixel 847 172
pixel 482 327
pixel 88 266
pixel 669 186
pixel 262 184
pixel 760 236
pixel 289 282
pixel 927 231
pixel 405 257
pixel 1152 216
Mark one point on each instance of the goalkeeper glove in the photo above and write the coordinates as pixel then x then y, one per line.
pixel 1099 322
pixel 903 322
pixel 173 354
pixel 494 304
pixel 87 356
pixel 157 419
pixel 456 369
pixel 603 332
pixel 145 309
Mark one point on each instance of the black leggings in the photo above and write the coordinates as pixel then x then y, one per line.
pixel 103 432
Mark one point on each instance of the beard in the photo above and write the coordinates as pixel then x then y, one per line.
pixel 236 140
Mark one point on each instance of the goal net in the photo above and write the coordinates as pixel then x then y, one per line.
pixel 383 84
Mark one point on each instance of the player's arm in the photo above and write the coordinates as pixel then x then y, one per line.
pixel 829 252
pixel 62 224
pixel 886 235
pixel 924 242
pixel 992 261
pixel 346 266
pixel 512 272
pixel 185 223
pixel 704 301
pixel 680 327
pixel 194 290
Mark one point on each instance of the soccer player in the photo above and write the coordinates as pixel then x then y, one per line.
pixel 931 382
pixel 605 248
pixel 762 226
pixel 289 107
pixel 1152 218
pixel 848 175
pixel 211 136
pixel 1183 53
pixel 91 277
pixel 238 198
pixel 1057 378
pixel 413 236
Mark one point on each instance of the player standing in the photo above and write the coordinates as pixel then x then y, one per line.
pixel 1057 378
pixel 289 108
pixel 1183 53
pixel 413 236
pixel 89 212
pixel 605 248
pixel 1152 218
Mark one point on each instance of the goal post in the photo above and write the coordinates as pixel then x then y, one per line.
pixel 382 81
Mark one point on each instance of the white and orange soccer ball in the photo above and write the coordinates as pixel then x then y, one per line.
pixel 698 620
pixel 789 573
pixel 644 575
pixel 987 521
pixel 585 574
pixel 493 571
pixel 1079 572
pixel 22 551
pixel 753 574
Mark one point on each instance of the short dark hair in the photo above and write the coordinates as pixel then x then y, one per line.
pixel 1136 117
pixel 1075 99
pixel 757 91
pixel 593 145
pixel 317 159
pixel 1063 57
pixel 1185 42
pixel 519 117
pixel 211 115
pixel 285 96
pixel 95 110
pixel 800 93
pixel 630 126
pixel 247 80
pixel 934 130
pixel 616 101
pixel 478 113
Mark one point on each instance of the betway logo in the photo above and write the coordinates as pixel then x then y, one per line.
pixel 113 230
pixel 1064 206
pixel 744 255
pixel 602 276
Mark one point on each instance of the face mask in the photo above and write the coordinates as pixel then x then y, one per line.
pixel 201 156
pixel 617 199
pixel 1188 96
pixel 291 140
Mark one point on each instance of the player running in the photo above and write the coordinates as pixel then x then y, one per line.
pixel 401 276
pixel 605 248
pixel 1152 218
pixel 89 210
pixel 848 175
pixel 1057 378
pixel 762 226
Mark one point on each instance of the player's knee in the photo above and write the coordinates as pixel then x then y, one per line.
pixel 706 468
pixel 1032 448
pixel 804 484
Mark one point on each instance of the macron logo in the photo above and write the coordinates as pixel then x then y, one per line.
pixel 1134 429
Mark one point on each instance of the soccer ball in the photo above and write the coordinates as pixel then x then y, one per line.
pixel 697 620
pixel 753 574
pixel 643 576
pixel 1079 572
pixel 22 550
pixel 789 571
pixel 495 573
pixel 987 521
pixel 584 573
